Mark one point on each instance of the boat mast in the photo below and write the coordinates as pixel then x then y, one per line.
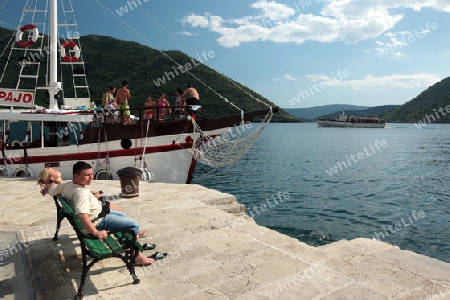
pixel 53 86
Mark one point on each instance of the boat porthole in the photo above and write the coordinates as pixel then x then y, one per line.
pixel 126 143
pixel 103 174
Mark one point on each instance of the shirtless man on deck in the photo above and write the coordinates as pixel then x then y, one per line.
pixel 123 95
pixel 192 96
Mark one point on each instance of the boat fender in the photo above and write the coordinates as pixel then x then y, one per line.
pixel 188 139
pixel 5 171
pixel 34 35
pixel 15 144
pixel 75 47
pixel 147 176
pixel 23 172
pixel 103 174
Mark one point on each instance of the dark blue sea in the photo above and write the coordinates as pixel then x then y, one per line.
pixel 321 185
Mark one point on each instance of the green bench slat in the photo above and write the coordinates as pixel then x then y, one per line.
pixel 113 244
pixel 99 249
pixel 137 245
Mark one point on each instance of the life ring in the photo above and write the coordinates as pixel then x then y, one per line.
pixel 23 172
pixel 34 35
pixel 103 174
pixel 75 47
pixel 5 171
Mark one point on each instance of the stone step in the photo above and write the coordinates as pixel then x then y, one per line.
pixel 232 208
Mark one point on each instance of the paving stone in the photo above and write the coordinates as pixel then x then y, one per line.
pixel 214 252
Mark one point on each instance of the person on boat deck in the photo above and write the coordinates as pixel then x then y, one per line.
pixel 123 95
pixel 191 95
pixel 108 98
pixel 97 217
pixel 149 113
pixel 180 112
pixel 163 102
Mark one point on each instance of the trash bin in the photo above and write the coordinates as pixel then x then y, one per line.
pixel 129 181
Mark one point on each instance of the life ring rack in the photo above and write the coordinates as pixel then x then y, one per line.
pixel 75 48
pixel 5 171
pixel 34 35
pixel 103 174
pixel 23 172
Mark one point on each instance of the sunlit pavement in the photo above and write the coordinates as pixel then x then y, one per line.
pixel 214 252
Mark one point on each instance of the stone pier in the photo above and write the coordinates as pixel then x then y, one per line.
pixel 214 251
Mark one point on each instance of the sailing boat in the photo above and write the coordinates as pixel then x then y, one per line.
pixel 164 151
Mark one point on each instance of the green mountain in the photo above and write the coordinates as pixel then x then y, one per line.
pixel 368 112
pixel 312 113
pixel 109 61
pixel 430 105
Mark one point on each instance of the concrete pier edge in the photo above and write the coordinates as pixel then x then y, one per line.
pixel 215 251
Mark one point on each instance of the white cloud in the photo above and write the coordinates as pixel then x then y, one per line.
pixel 273 10
pixel 391 81
pixel 289 77
pixel 197 21
pixel 186 33
pixel 350 21
pixel 395 41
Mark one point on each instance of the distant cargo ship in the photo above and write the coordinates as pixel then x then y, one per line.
pixel 352 122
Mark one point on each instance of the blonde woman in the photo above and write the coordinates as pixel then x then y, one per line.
pixel 50 177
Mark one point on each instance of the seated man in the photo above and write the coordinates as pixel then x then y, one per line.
pixel 95 219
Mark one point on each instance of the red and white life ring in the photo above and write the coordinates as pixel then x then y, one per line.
pixel 75 47
pixel 34 35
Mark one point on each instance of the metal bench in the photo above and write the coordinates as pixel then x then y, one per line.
pixel 121 244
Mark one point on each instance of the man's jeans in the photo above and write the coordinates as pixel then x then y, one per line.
pixel 117 220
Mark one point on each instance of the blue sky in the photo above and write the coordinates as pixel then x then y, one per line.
pixel 295 53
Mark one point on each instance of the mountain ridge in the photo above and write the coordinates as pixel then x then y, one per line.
pixel 313 112
pixel 109 61
pixel 433 101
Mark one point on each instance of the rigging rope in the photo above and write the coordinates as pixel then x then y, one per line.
pixel 215 151
pixel 12 39
pixel 167 56
pixel 229 147
pixel 4 4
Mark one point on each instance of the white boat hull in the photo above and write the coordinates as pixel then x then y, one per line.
pixel 160 159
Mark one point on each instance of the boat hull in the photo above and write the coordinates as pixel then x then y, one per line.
pixel 160 159
pixel 163 150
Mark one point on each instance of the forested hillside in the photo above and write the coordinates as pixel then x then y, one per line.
pixel 432 101
pixel 108 61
